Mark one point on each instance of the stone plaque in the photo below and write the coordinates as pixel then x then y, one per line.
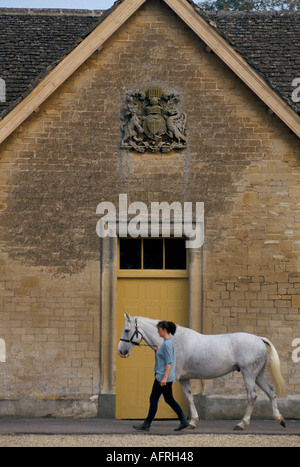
pixel 153 121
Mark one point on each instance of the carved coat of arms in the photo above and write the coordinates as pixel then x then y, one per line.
pixel 153 120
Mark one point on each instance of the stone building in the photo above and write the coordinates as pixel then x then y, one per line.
pixel 161 102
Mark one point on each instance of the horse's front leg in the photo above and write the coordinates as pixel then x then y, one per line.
pixel 186 387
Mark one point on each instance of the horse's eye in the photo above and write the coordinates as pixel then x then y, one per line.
pixel 126 330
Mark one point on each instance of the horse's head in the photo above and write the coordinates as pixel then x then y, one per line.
pixel 130 337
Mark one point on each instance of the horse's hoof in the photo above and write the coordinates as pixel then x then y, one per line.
pixel 192 426
pixel 282 422
pixel 238 427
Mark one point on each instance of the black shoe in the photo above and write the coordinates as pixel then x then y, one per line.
pixel 144 427
pixel 184 424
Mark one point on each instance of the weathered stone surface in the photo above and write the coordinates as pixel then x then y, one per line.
pixel 242 162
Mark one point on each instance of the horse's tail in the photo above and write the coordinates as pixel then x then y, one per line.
pixel 274 364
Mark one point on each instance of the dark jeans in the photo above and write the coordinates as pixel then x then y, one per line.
pixel 157 391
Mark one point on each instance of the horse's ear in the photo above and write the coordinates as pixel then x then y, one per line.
pixel 126 315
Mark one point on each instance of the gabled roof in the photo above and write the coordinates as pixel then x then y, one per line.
pixel 32 42
pixel 39 49
pixel 269 41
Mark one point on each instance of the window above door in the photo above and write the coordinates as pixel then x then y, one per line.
pixel 153 257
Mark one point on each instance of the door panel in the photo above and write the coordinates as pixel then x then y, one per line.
pixel 159 298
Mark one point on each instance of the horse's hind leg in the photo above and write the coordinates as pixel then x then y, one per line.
pixel 186 387
pixel 251 398
pixel 267 388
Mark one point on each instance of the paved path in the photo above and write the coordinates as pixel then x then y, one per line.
pixel 164 427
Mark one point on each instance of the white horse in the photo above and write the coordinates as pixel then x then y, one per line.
pixel 200 356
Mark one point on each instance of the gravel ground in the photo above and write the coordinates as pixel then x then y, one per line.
pixel 201 440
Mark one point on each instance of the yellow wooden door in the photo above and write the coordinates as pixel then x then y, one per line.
pixel 157 298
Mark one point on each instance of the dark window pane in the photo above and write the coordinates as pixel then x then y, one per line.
pixel 175 253
pixel 153 253
pixel 130 253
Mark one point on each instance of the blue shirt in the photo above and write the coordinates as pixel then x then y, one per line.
pixel 164 356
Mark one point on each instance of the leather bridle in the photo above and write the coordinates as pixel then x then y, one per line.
pixel 136 334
